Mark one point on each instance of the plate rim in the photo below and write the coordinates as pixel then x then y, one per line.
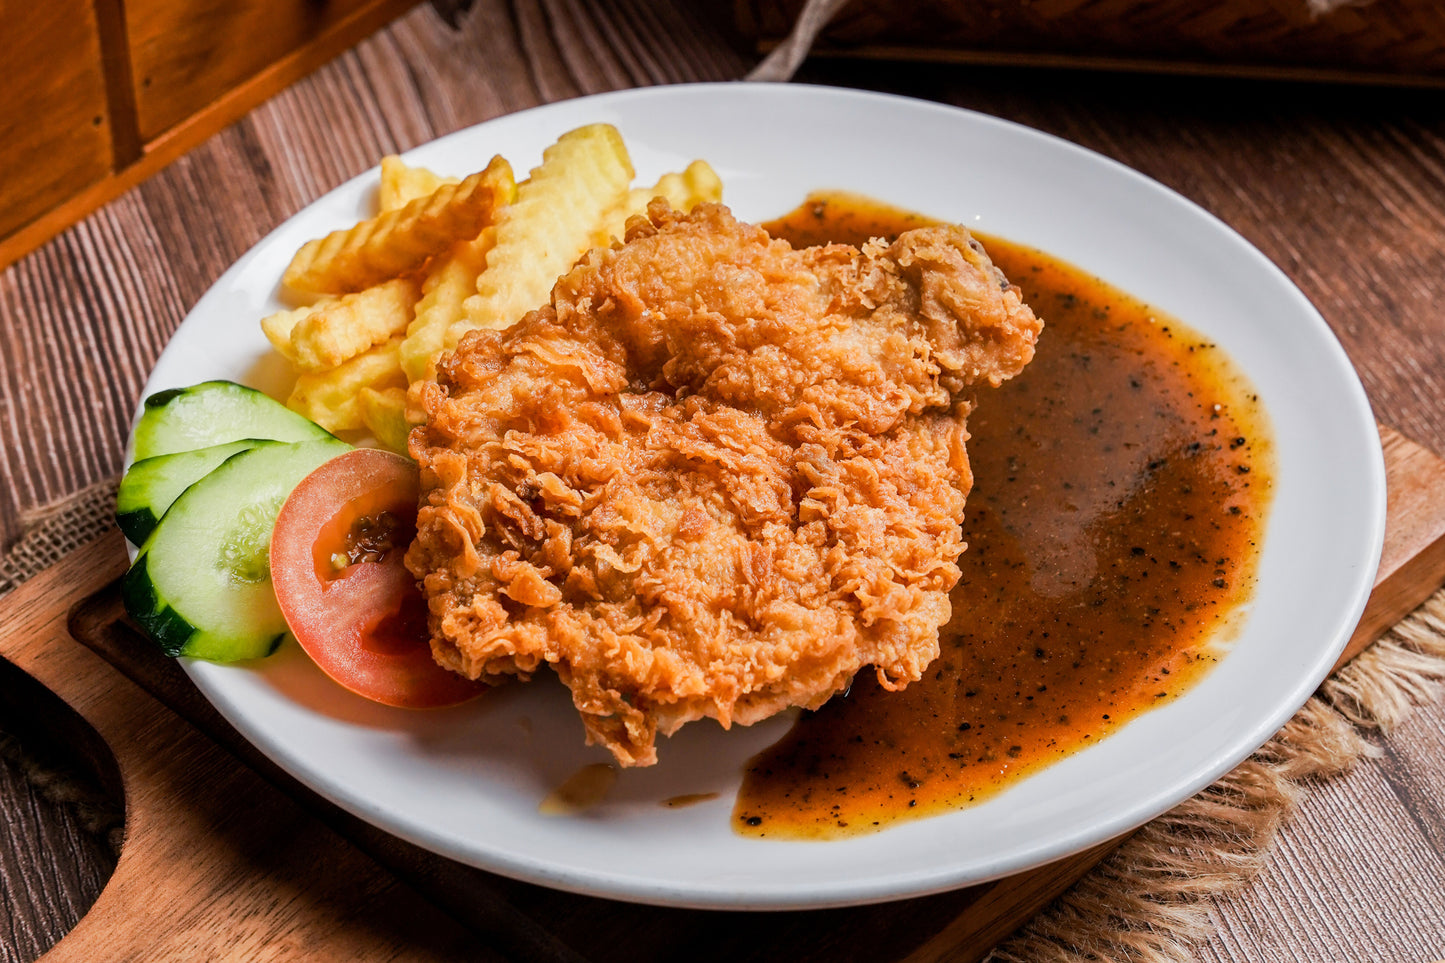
pixel 886 888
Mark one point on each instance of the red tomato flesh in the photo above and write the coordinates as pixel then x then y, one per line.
pixel 337 564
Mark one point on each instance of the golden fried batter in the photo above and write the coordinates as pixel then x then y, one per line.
pixel 716 476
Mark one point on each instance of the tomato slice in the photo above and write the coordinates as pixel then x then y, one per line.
pixel 336 562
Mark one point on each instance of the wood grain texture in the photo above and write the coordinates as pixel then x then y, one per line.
pixel 127 145
pixel 1357 875
pixel 85 316
pixel 62 848
pixel 185 53
pixel 54 119
pixel 1412 562
pixel 59 865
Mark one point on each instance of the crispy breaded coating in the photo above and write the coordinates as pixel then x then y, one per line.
pixel 716 476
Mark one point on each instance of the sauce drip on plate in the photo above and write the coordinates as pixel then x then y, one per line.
pixel 1113 528
pixel 581 791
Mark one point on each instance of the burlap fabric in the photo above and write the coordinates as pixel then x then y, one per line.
pixel 51 534
pixel 1148 902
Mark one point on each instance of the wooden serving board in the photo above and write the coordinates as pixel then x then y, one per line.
pixel 227 857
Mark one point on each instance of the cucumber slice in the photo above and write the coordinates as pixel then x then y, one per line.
pixel 201 585
pixel 151 485
pixel 213 413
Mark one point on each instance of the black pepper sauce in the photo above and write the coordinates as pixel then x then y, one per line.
pixel 1120 485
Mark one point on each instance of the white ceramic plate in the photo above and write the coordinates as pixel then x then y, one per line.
pixel 466 782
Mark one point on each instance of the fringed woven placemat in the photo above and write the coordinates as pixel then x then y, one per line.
pixel 53 532
pixel 1148 902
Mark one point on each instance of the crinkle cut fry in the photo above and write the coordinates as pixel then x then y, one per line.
pixel 399 242
pixel 557 212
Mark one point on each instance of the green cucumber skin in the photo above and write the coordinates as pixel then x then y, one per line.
pixel 136 524
pixel 214 413
pixel 193 604
pixel 169 630
pixel 151 485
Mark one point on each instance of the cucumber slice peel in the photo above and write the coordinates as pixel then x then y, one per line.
pixel 214 413
pixel 151 485
pixel 201 585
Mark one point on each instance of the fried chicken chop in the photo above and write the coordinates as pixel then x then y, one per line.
pixel 717 476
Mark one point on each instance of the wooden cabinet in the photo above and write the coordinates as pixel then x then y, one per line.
pixel 96 95
pixel 55 136
pixel 186 53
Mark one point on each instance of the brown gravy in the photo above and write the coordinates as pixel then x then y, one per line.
pixel 1120 488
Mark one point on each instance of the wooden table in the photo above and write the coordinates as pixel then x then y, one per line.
pixel 1343 188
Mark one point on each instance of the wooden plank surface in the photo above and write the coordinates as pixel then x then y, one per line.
pixel 1343 188
pixel 1414 553
pixel 1356 876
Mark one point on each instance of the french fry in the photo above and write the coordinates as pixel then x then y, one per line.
pixel 452 280
pixel 399 242
pixel 444 257
pixel 402 183
pixel 697 184
pixel 384 415
pixel 339 330
pixel 558 210
pixel 278 327
pixel 332 398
